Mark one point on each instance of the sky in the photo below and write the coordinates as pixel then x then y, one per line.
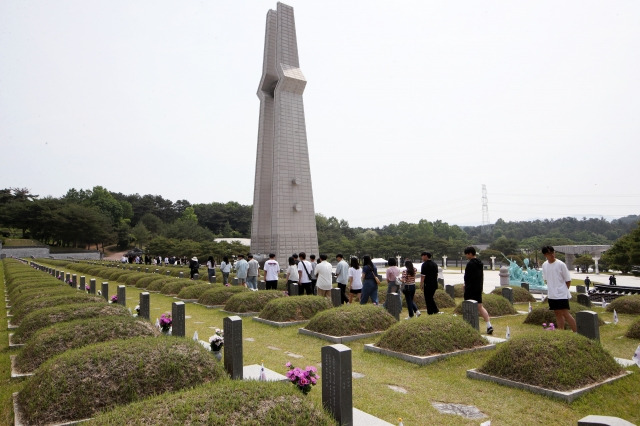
pixel 411 106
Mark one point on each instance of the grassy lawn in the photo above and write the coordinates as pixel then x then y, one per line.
pixel 443 381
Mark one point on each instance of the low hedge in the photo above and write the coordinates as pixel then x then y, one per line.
pixel 495 305
pixel 47 302
pixel 348 320
pixel 625 305
pixel 431 334
pixel 193 291
pixel 634 330
pixel 45 317
pixel 83 382
pixel 294 308
pixel 252 301
pixel 520 295
pixel 60 337
pixel 229 402
pixel 553 360
pixel 541 315
pixel 219 294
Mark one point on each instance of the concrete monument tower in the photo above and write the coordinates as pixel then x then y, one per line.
pixel 283 219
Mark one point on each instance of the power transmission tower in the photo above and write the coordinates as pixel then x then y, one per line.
pixel 485 210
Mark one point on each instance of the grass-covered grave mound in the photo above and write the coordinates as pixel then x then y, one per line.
pixel 349 320
pixel 543 315
pixel 442 299
pixel 32 286
pixel 634 330
pixel 193 291
pixel 252 301
pixel 29 295
pixel 45 317
pixel 219 294
pixel 172 288
pixel 520 295
pixel 60 337
pixel 285 309
pixel 555 360
pixel 82 382
pixel 495 305
pixel 133 278
pixel 229 402
pixel 625 305
pixel 458 290
pixel 47 302
pixel 430 335
pixel 145 281
pixel 157 285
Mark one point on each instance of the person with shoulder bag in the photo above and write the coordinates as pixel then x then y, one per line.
pixel 409 278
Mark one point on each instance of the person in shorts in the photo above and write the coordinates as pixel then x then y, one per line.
pixel 556 276
pixel 474 284
pixel 355 279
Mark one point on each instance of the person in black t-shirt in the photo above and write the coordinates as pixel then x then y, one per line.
pixel 429 282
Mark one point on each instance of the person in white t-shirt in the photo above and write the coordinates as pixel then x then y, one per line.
pixel 324 277
pixel 271 270
pixel 556 275
pixel 304 275
pixel 355 279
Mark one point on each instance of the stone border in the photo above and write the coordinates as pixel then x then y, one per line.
pixel 567 396
pixel 337 339
pixel 11 326
pixel 423 360
pixel 186 300
pixel 17 415
pixel 14 345
pixel 279 324
pixel 241 314
pixel 14 373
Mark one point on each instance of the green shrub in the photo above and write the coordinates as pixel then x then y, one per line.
pixel 261 403
pixel 172 288
pixel 294 308
pixel 252 301
pixel 553 360
pixel 520 295
pixel 193 291
pixel 60 337
pixel 82 382
pixel 133 278
pixel 431 334
pixel 495 305
pixel 158 284
pixel 48 316
pixel 634 330
pixel 348 320
pixel 625 305
pixel 220 294
pixel 47 302
pixel 542 314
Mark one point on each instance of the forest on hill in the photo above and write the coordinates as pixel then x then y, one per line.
pixel 97 217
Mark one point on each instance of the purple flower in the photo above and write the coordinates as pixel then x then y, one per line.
pixel 288 364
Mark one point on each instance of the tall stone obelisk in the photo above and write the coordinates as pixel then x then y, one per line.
pixel 283 219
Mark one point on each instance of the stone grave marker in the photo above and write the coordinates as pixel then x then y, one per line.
pixel 146 270
pixel 105 291
pixel 525 286
pixel 83 283
pixel 262 285
pixel 181 274
pixel 337 395
pixel 450 291
pixel 394 305
pixel 74 281
pixel 336 297
pixel 470 313
pixel 61 275
pixel 145 312
pixel 122 295
pixel 168 273
pixel 584 300
pixel 587 322
pixel 234 281
pixel 157 271
pixel 212 279
pixel 68 277
pixel 178 319
pixel 507 293
pixel 580 289
pixel 233 346
pixel 92 286
pixel 196 277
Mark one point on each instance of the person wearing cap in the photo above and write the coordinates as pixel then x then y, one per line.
pixel 429 282
pixel 242 267
pixel 193 266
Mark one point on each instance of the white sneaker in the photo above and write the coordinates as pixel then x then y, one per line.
pixel 418 313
